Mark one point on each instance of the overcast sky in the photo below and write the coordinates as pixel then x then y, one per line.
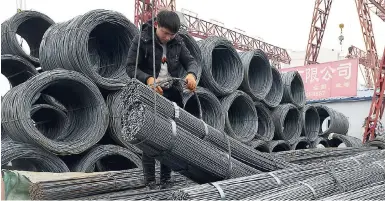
pixel 284 23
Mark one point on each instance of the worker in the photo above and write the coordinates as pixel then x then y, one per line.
pixel 171 54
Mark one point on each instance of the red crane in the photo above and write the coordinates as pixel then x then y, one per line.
pixel 202 29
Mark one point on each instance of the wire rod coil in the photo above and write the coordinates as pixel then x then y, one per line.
pixel 257 78
pixel 293 89
pixel 310 122
pixel 319 141
pixel 265 123
pixel 31 26
pixel 335 140
pixel 16 69
pixel 379 142
pixel 96 44
pixel 222 71
pixel 302 143
pixel 87 111
pixel 287 122
pixel 43 160
pixel 338 122
pixel 274 96
pixel 276 146
pixel 193 48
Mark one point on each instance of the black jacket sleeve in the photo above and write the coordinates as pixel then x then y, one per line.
pixel 140 75
pixel 188 61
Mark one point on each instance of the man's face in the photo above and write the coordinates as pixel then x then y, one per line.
pixel 164 34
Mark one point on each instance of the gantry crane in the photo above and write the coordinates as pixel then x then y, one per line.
pixel 202 29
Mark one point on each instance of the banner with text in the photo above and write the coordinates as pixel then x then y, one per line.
pixel 327 80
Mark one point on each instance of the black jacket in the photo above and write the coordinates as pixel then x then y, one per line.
pixel 178 56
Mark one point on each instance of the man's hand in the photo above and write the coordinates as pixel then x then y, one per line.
pixel 191 82
pixel 150 82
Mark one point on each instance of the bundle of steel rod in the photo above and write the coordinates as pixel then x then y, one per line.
pixel 240 188
pixel 310 122
pixel 328 184
pixel 138 92
pixel 96 184
pixel 176 147
pixel 338 122
pixel 374 191
pixel 193 48
pixel 274 97
pixel 287 122
pixel 293 89
pixel 16 69
pixel 266 126
pixel 335 140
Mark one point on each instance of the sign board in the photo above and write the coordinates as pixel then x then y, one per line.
pixel 328 80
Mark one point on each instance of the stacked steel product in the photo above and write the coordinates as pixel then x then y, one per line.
pixel 88 161
pixel 274 97
pixel 193 48
pixel 30 157
pixel 275 146
pixel 222 71
pixel 16 69
pixel 265 123
pixel 338 122
pixel 177 148
pixel 98 185
pixel 302 143
pixel 240 115
pixel 258 145
pixel 138 92
pixel 335 140
pixel 328 184
pixel 288 123
pixel 240 188
pixel 210 107
pixel 379 142
pixel 319 141
pixel 136 194
pixel 293 89
pixel 31 26
pixel 311 122
pixel 87 111
pixel 257 79
pixel 96 44
pixel 370 192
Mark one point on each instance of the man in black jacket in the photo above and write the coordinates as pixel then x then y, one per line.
pixel 171 54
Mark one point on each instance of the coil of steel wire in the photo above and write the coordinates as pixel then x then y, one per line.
pixel 276 146
pixel 42 160
pixel 293 89
pixel 274 97
pixel 87 111
pixel 31 26
pixel 96 44
pixel 257 79
pixel 319 142
pixel 265 123
pixel 16 69
pixel 194 50
pixel 240 115
pixel 379 142
pixel 100 152
pixel 302 143
pixel 257 145
pixel 310 122
pixel 369 192
pixel 210 107
pixel 222 71
pixel 335 140
pixel 288 123
pixel 338 122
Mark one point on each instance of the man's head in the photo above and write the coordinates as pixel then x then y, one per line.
pixel 167 25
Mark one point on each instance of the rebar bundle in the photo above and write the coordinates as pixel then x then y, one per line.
pixel 88 161
pixel 379 142
pixel 31 26
pixel 96 44
pixel 374 191
pixel 293 89
pixel 310 122
pixel 240 115
pixel 265 123
pixel 288 123
pixel 335 140
pixel 302 143
pixel 319 141
pixel 276 146
pixel 194 50
pixel 137 194
pixel 222 70
pixel 240 188
pixel 16 69
pixel 210 107
pixel 257 78
pixel 274 97
pixel 338 122
pixel 31 156
pixel 87 111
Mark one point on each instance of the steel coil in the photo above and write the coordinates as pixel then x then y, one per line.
pixel 257 145
pixel 293 89
pixel 379 142
pixel 16 69
pixel 287 122
pixel 276 146
pixel 336 140
pixel 274 97
pixel 31 26
pixel 194 50
pixel 40 159
pixel 338 123
pixel 87 111
pixel 222 70
pixel 265 123
pixel 210 107
pixel 96 44
pixel 257 78
pixel 241 119
pixel 310 122
pixel 302 143
pixel 319 142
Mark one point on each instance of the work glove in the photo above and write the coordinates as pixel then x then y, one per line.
pixel 150 82
pixel 191 82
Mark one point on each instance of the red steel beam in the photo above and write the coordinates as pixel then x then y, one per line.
pixel 378 8
pixel 317 30
pixel 355 52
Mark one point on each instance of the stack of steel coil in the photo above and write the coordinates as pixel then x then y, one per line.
pixel 338 122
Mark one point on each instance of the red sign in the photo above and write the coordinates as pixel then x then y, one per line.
pixel 331 79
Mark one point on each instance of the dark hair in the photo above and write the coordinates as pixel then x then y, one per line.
pixel 169 20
